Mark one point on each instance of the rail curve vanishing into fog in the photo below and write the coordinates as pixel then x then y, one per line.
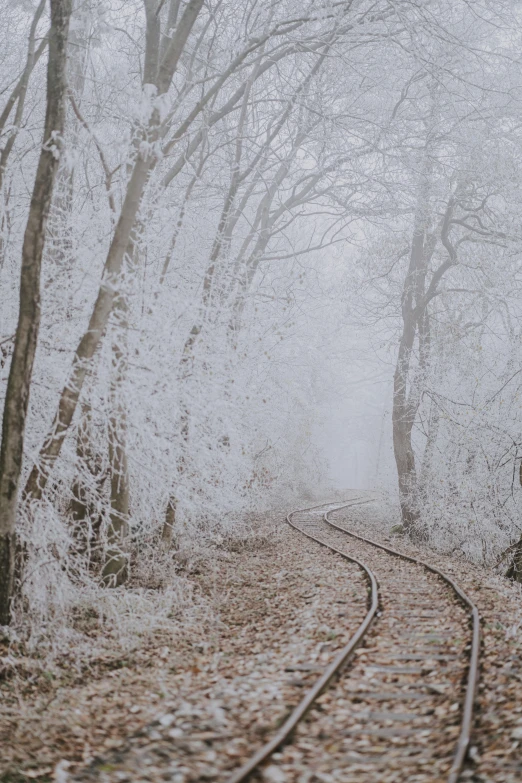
pixel 403 604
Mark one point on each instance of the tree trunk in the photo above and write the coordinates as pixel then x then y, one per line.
pixel 116 566
pixel 515 569
pixel 18 386
pixel 416 297
pixel 405 401
pixel 402 421
pixel 167 532
pixel 429 449
pixel 83 510
pixel 59 228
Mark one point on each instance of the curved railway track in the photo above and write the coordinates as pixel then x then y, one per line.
pixel 416 614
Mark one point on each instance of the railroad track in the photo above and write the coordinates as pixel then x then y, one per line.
pixel 411 689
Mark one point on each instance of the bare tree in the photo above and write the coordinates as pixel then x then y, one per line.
pixel 19 93
pixel 144 164
pixel 17 397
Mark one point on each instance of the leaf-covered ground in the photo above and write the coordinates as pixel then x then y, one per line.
pixel 192 707
pixel 496 752
pixel 277 605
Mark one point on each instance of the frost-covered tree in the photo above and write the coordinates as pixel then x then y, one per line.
pixel 233 177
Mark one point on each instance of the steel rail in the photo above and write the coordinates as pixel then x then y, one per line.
pixel 466 724
pixel 322 683
pixel 330 672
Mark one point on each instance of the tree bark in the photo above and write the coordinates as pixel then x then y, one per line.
pixel 416 297
pixel 83 506
pixel 116 565
pixel 429 449
pixel 167 533
pixel 515 569
pixel 18 386
pixel 403 416
pixel 405 402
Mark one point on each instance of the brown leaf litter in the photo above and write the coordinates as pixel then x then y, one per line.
pixel 193 709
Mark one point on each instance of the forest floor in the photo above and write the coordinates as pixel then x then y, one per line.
pixel 193 707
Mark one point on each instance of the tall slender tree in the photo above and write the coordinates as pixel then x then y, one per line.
pixel 18 387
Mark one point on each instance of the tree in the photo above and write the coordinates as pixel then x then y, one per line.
pixel 20 373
